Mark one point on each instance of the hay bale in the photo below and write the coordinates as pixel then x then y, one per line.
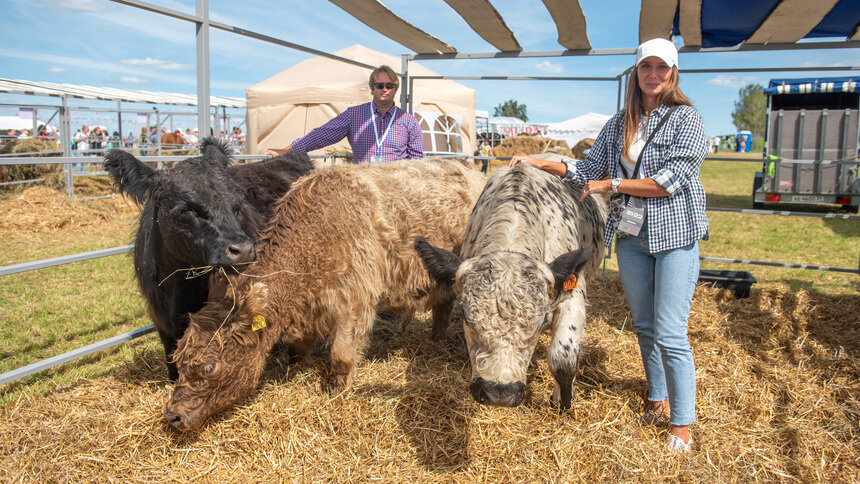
pixel 528 145
pixel 53 174
pixel 580 147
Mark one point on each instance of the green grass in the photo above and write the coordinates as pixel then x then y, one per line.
pixel 48 312
pixel 776 238
pixel 51 311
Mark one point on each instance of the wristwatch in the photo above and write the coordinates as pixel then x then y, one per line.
pixel 614 184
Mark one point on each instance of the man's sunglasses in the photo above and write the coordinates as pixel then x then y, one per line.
pixel 386 85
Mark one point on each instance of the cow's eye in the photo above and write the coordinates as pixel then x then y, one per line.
pixel 209 368
pixel 194 211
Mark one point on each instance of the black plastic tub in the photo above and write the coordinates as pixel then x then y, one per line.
pixel 738 282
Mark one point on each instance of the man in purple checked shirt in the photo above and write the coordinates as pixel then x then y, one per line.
pixel 378 131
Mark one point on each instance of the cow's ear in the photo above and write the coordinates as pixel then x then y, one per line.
pixel 566 267
pixel 215 149
pixel 132 176
pixel 253 313
pixel 441 264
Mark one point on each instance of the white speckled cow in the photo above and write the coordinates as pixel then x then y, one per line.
pixel 526 236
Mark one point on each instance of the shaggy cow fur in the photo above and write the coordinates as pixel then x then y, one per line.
pixel 200 213
pixel 339 248
pixel 528 233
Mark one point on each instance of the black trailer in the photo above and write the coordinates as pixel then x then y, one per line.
pixel 811 143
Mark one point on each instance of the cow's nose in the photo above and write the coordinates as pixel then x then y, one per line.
pixel 174 419
pixel 499 394
pixel 241 252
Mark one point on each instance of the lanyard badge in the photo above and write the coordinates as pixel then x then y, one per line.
pixel 633 216
pixel 377 158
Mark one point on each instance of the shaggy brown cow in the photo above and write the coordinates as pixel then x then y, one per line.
pixel 339 248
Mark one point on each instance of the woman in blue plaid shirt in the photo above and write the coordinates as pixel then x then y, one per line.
pixel 659 221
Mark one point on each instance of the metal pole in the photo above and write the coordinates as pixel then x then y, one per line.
pixel 406 91
pixel 411 86
pixel 13 375
pixel 66 140
pixel 119 122
pixel 157 131
pixel 202 28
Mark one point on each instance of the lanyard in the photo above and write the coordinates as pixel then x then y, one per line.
pixel 375 132
pixel 653 133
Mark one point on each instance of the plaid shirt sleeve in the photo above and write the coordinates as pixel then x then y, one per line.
pixel 687 148
pixel 328 134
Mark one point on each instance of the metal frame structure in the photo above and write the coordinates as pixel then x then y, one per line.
pixel 203 24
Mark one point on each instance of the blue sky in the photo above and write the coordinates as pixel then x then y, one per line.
pixel 101 43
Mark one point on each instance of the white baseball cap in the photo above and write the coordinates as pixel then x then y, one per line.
pixel 660 48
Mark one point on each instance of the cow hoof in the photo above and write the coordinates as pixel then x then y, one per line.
pixel 556 402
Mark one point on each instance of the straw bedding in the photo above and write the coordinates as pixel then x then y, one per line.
pixel 778 384
pixel 40 209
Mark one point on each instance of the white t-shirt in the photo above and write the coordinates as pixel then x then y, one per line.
pixel 635 148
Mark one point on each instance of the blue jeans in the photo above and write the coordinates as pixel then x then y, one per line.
pixel 659 289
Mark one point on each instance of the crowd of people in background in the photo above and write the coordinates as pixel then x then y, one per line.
pixel 96 140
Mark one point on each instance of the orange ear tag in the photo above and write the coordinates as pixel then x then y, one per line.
pixel 258 323
pixel 570 283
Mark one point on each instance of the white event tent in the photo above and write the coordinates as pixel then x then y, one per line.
pixel 575 129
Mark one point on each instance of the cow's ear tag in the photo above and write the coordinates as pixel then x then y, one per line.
pixel 570 283
pixel 258 323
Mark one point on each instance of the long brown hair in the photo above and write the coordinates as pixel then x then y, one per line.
pixel 635 104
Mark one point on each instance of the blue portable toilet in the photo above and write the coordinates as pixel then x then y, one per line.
pixel 744 140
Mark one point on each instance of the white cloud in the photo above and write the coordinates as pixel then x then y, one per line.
pixel 547 66
pixel 731 81
pixel 132 80
pixel 57 70
pixel 164 65
pixel 74 5
pixel 95 65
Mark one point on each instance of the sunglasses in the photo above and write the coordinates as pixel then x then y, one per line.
pixel 386 85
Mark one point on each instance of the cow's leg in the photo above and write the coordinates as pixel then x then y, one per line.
pixel 169 343
pixel 568 329
pixel 297 350
pixel 441 317
pixel 348 343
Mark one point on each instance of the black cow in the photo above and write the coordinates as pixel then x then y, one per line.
pixel 200 213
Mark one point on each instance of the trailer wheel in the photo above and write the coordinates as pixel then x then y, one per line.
pixel 758 181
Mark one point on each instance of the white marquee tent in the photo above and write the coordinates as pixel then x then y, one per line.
pixel 575 129
pixel 17 123
pixel 290 104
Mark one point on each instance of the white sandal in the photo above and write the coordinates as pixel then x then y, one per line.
pixel 678 445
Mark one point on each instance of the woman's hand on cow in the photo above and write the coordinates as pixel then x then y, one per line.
pixel 554 167
pixel 277 152
pixel 525 159
pixel 596 187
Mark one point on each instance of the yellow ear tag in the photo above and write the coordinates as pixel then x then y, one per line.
pixel 258 323
pixel 570 283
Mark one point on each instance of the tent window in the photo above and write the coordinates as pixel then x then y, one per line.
pixel 441 132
